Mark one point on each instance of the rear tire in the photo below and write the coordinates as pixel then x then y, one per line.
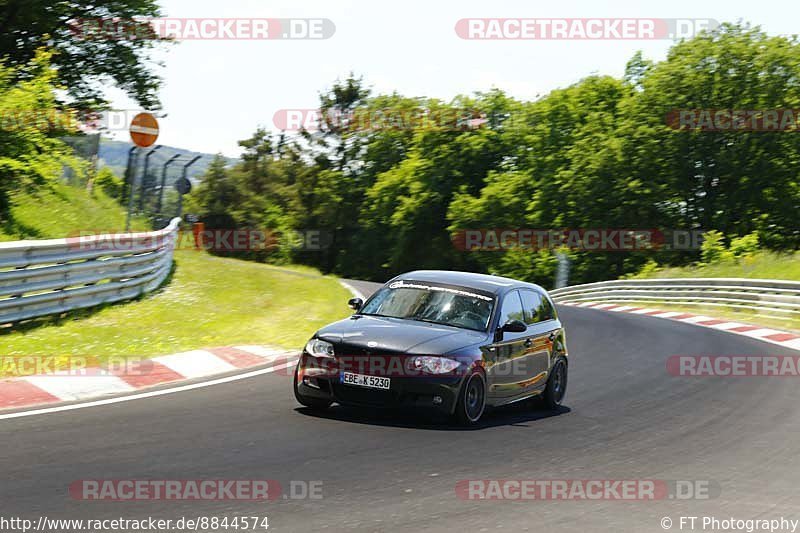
pixel 556 387
pixel 312 403
pixel 471 402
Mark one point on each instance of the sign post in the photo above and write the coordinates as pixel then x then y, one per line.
pixel 144 132
pixel 131 185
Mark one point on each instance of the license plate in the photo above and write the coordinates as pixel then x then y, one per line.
pixel 360 380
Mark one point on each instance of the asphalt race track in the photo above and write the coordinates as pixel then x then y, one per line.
pixel 625 418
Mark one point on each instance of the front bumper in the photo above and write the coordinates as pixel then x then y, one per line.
pixel 427 392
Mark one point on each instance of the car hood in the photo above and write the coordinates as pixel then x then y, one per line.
pixel 376 335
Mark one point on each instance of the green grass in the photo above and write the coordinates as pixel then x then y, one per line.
pixel 763 265
pixel 209 302
pixel 59 210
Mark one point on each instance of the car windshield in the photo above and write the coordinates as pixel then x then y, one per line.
pixel 451 306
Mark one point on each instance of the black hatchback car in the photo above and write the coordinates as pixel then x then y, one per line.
pixel 452 341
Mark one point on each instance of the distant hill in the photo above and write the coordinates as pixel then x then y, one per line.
pixel 114 154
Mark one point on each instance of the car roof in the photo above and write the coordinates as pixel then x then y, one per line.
pixel 485 282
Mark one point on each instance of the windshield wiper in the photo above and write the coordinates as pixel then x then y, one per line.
pixel 417 319
pixel 380 315
pixel 448 324
pixel 429 321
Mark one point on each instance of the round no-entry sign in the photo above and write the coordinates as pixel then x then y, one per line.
pixel 144 130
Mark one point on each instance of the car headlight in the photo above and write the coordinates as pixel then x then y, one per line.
pixel 434 365
pixel 319 348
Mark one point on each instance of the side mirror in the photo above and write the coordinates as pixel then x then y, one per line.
pixel 514 326
pixel 355 303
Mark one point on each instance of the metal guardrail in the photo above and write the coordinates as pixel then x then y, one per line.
pixel 754 294
pixel 45 277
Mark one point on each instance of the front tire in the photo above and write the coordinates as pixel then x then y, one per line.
pixel 312 403
pixel 556 385
pixel 471 401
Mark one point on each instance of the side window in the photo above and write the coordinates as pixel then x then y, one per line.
pixel 537 308
pixel 512 308
pixel 532 303
pixel 549 312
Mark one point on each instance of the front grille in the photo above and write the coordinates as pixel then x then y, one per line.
pixel 347 350
pixel 371 361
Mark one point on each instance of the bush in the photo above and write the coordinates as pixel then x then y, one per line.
pixel 713 248
pixel 109 183
pixel 649 270
pixel 744 246
pixel 31 120
pixel 536 266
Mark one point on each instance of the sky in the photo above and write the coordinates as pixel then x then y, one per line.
pixel 216 92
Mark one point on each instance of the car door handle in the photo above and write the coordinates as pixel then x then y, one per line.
pixel 528 343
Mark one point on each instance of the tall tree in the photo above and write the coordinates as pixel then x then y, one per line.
pixel 30 153
pixel 85 61
pixel 337 150
pixel 392 178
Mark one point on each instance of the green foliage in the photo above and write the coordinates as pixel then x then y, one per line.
pixel 30 122
pixel 649 270
pixel 109 183
pixel 34 202
pixel 714 253
pixel 538 267
pixel 759 265
pixel 253 195
pixel 393 186
pixel 744 246
pixel 84 61
pixel 713 247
